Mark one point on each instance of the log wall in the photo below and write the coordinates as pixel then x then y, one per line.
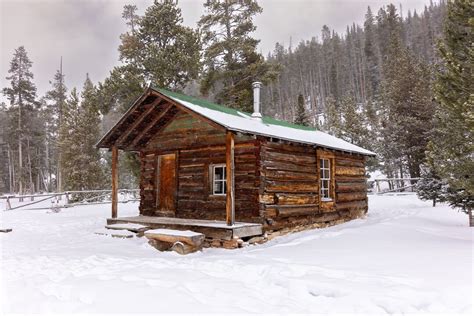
pixel 289 192
pixel 276 183
pixel 198 146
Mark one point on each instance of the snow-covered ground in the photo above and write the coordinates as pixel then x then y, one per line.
pixel 405 257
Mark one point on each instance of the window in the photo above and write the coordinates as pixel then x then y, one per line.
pixel 219 184
pixel 325 179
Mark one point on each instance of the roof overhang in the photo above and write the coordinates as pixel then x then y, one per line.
pixel 153 110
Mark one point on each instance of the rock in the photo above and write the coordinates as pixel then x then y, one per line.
pixel 230 244
pixel 257 240
pixel 216 243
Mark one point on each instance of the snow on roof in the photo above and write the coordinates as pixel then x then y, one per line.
pixel 242 122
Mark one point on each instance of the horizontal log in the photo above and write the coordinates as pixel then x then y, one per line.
pixel 290 199
pixel 289 175
pixel 280 166
pixel 351 196
pixel 267 198
pixel 297 211
pixel 291 157
pixel 349 163
pixel 351 205
pixel 350 187
pixel 272 186
pixel 289 148
pixel 349 171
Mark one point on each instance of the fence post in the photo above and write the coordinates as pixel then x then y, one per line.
pixel 8 205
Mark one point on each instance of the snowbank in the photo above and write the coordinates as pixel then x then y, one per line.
pixel 405 257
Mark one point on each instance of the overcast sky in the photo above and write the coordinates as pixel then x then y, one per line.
pixel 86 32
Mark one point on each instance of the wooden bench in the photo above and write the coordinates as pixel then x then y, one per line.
pixel 183 242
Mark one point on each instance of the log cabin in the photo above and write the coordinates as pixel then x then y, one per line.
pixel 234 175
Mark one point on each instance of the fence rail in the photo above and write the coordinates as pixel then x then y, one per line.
pixel 393 185
pixel 70 198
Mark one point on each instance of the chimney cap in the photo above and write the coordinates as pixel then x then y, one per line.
pixel 256 84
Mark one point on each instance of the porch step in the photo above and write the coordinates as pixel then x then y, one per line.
pixel 183 242
pixel 211 228
pixel 115 233
pixel 134 228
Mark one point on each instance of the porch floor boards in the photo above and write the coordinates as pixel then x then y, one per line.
pixel 210 228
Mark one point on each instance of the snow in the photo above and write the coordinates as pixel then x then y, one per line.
pixel 172 232
pixel 404 257
pixel 245 123
pixel 127 226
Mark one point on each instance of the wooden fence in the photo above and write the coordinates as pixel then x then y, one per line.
pixel 395 185
pixel 70 198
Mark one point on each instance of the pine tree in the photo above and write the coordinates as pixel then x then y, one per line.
pixel 430 187
pixel 371 54
pixel 231 61
pixel 332 118
pixel 52 115
pixel 453 148
pixel 157 49
pixel 23 106
pixel 79 134
pixel 407 105
pixel 301 115
pixel 354 128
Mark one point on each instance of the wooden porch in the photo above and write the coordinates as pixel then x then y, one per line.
pixel 211 229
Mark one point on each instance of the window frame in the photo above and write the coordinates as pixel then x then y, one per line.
pixel 322 179
pixel 214 180
pixel 330 157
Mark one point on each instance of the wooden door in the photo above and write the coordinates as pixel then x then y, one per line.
pixel 166 186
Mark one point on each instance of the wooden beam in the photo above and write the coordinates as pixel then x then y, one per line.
pixel 138 121
pixel 103 141
pixel 230 192
pixel 189 111
pixel 114 181
pixel 150 126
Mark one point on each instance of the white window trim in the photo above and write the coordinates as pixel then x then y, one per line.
pixel 214 179
pixel 321 179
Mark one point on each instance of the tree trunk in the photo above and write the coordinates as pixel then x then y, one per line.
pixel 471 218
pixel 434 202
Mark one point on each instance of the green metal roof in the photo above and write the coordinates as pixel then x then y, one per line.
pixel 227 110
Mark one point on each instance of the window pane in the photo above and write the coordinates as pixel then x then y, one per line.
pixel 219 173
pixel 219 187
pixel 326 174
pixel 325 184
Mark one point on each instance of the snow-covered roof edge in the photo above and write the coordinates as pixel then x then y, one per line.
pixel 237 121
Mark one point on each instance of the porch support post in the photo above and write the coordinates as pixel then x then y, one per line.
pixel 230 194
pixel 114 181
